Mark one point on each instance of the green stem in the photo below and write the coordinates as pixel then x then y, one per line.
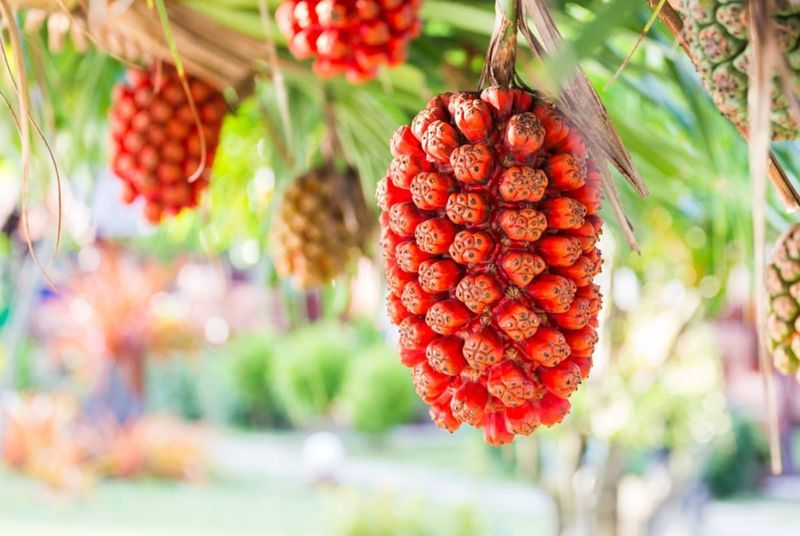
pixel 502 54
pixel 508 9
pixel 161 9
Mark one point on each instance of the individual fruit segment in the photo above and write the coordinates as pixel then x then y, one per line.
pixel 523 419
pixel 429 383
pixel 445 355
pixel 517 321
pixel 435 236
pixel 550 347
pixel 521 266
pixel 350 37
pixel 469 247
pixel 409 256
pixel 483 349
pixel 551 409
pixel 717 35
pixel 489 232
pixel 783 287
pixel 441 413
pixel 495 429
pixel 415 299
pixel 507 382
pixel 472 164
pixel 469 403
pixel 323 221
pixel 478 292
pixel 156 145
pixel 522 184
pixel 430 191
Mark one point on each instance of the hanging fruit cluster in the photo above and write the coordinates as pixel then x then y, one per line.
pixel 156 143
pixel 783 287
pixel 489 231
pixel 322 221
pixel 718 35
pixel 350 37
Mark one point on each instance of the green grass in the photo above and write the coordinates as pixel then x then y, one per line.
pixel 119 508
pixel 243 508
pixel 235 501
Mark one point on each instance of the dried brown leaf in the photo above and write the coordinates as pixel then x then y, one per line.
pixel 580 99
pixel 582 105
pixel 782 184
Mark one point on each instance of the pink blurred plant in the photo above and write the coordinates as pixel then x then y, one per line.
pixel 109 317
pixel 44 436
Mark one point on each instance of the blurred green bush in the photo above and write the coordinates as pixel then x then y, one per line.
pixel 268 379
pixel 232 385
pixel 310 366
pixel 252 368
pixel 738 459
pixel 378 393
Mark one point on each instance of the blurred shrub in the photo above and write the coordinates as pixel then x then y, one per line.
pixel 310 364
pixel 273 379
pixel 378 393
pixel 172 386
pixel 234 384
pixel 368 335
pixel 737 460
pixel 251 362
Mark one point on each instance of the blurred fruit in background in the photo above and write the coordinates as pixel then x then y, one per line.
pixel 165 134
pixel 350 38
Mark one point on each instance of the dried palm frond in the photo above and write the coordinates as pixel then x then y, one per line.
pixel 764 58
pixel 133 32
pixel 584 107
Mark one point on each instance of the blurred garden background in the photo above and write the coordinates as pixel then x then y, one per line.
pixel 170 383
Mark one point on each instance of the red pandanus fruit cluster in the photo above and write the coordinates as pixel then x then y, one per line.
pixel 156 145
pixel 489 231
pixel 350 37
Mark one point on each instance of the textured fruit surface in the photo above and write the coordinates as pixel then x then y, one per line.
pixel 322 221
pixel 783 287
pixel 350 37
pixel 717 32
pixel 155 141
pixel 489 232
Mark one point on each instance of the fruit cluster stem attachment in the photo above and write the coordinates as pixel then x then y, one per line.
pixel 502 54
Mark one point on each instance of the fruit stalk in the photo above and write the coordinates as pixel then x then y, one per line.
pixel 502 54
